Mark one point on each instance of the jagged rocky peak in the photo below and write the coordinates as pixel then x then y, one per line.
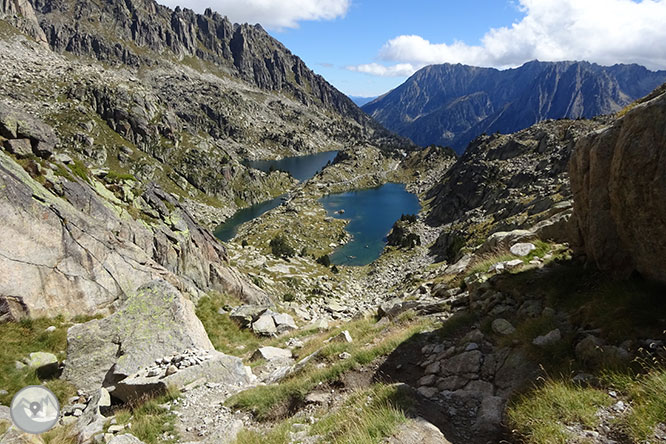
pixel 21 14
pixel 144 33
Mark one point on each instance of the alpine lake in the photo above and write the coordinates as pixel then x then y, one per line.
pixel 371 212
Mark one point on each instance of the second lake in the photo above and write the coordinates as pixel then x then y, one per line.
pixel 371 213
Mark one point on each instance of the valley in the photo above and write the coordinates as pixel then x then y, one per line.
pixel 204 241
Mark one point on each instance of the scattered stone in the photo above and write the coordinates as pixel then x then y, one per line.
pixel 344 355
pixel 125 438
pixel 512 265
pixel 317 398
pixel 50 329
pixel 217 368
pixel 522 249
pixel 343 336
pixel 496 268
pixel 427 380
pixel 318 324
pixel 502 327
pixel 427 392
pixel 116 428
pixel 417 431
pixel 245 315
pixel 284 322
pixel 395 307
pixel 489 417
pixel 549 338
pixel 20 147
pixel 271 353
pixel 265 325
pixel 335 307
pixel 46 364
pixel 171 369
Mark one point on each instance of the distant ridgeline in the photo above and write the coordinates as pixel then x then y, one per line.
pixel 450 105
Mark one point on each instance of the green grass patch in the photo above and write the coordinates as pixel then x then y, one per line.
pixel 60 435
pixel 4 426
pixel 377 412
pixel 150 421
pixel 19 339
pixel 80 169
pixel 115 176
pixel 647 393
pixel 280 434
pixel 225 334
pixel 484 264
pixel 540 417
pixel 369 343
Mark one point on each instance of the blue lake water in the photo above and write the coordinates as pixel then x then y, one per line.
pixel 300 167
pixel 372 213
pixel 229 228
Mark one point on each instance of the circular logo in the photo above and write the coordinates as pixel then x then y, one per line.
pixel 35 409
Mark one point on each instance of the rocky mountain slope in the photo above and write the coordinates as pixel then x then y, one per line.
pixel 450 105
pixel 505 182
pixel 127 99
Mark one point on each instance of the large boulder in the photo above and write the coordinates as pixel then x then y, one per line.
pixel 154 322
pixel 618 179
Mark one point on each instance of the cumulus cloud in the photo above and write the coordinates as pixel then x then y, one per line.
pixel 275 14
pixel 601 31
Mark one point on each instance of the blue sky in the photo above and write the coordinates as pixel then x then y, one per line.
pixel 357 38
pixel 367 47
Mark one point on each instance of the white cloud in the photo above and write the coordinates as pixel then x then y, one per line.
pixel 601 31
pixel 275 14
pixel 399 70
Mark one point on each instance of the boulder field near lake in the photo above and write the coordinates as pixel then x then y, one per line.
pixel 515 293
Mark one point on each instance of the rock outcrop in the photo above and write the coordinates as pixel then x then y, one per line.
pixel 618 179
pixel 80 253
pixel 154 322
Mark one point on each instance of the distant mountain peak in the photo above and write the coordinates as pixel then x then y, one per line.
pixel 451 104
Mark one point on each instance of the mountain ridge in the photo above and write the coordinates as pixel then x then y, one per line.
pixel 452 104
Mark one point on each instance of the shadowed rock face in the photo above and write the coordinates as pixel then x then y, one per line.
pixel 450 105
pixel 618 179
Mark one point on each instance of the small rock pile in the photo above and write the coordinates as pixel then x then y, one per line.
pixel 169 365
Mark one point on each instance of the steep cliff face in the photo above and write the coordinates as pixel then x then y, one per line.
pixel 618 179
pixel 453 104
